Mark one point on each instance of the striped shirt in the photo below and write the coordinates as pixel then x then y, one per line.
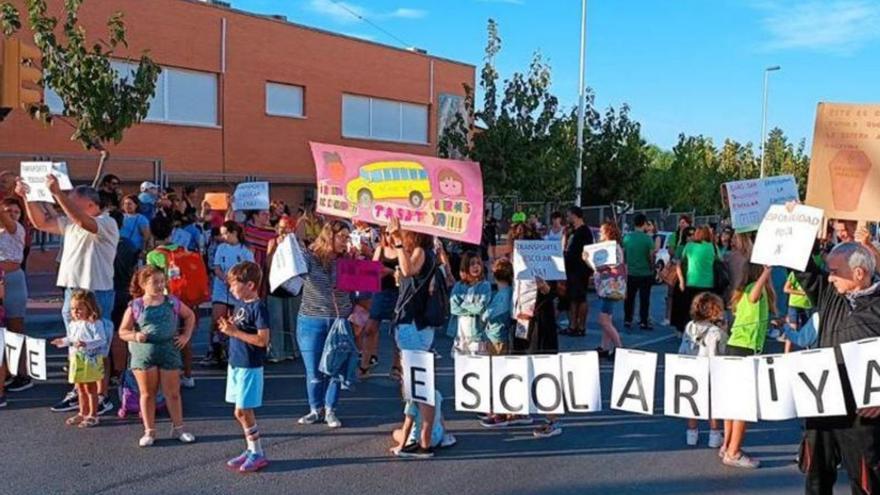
pixel 319 290
pixel 257 238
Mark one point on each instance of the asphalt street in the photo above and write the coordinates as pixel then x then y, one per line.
pixel 604 452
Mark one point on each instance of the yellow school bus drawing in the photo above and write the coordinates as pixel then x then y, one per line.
pixel 390 180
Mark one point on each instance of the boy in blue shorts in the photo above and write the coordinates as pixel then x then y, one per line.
pixel 248 331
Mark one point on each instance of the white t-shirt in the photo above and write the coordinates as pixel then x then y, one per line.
pixel 12 245
pixel 86 258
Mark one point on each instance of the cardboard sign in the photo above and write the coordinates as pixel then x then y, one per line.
pixel 775 401
pixel 251 196
pixel 473 383
pixel 545 385
pixel 815 384
pixel 287 264
pixel 418 376
pixel 632 388
pixel 429 195
pixel 602 254
pixel 845 162
pixel 749 200
pixel 217 201
pixel 786 239
pixel 580 376
pixel 862 360
pixel 358 275
pixel 543 259
pixel 34 175
pixel 733 388
pixel 686 386
pixel 36 358
pixel 510 385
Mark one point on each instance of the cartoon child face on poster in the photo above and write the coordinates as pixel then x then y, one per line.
pixel 451 183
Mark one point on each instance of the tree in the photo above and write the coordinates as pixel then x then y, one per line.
pixel 98 103
pixel 782 158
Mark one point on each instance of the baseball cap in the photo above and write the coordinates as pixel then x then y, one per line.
pixel 147 185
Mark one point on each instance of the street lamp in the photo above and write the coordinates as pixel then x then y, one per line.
pixel 767 72
pixel 581 103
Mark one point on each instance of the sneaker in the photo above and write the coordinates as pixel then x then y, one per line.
pixel 716 438
pixel 310 418
pixel 20 384
pixel 415 451
pixel 646 326
pixel 236 462
pixel 3 402
pixel 548 430
pixel 331 419
pixel 692 437
pixel 495 422
pixel 520 421
pixel 448 440
pixel 743 461
pixel 70 402
pixel 104 405
pixel 180 434
pixel 148 439
pixel 253 463
pixel 187 382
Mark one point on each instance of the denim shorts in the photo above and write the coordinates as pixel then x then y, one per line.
pixel 410 338
pixel 244 387
pixel 607 305
pixel 15 302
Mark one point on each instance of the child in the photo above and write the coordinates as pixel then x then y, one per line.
pixel 87 340
pixel 248 332
pixel 799 306
pixel 498 319
pixel 753 302
pixel 228 254
pixel 407 436
pixel 704 337
pixel 469 300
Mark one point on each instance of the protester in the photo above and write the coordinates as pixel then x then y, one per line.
pixel 753 301
pixel 705 336
pixel 150 326
pixel 228 254
pixel 844 230
pixel 322 304
pixel 283 305
pixel 407 436
pixel 556 231
pixel 258 232
pixel 189 200
pixel 124 267
pixel 610 282
pixel 15 288
pixel 108 191
pixel 696 272
pixel 576 271
pixel 308 227
pixel 725 242
pixel 489 243
pixel 248 332
pixel 799 305
pixel 382 306
pixel 737 263
pixel 499 314
pixel 148 199
pixel 135 226
pixel 638 249
pixel 519 216
pixel 468 302
pixel 88 339
pixel 679 237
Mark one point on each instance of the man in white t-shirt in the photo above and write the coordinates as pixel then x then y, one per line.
pixel 87 252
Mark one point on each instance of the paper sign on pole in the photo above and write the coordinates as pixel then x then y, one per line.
pixel 251 196
pixel 862 360
pixel 686 386
pixel 786 238
pixel 14 349
pixel 418 376
pixel 473 383
pixel 543 259
pixel 358 275
pixel 775 400
pixel 580 377
pixel 632 388
pixel 750 199
pixel 36 358
pixel 510 384
pixel 217 201
pixel 815 384
pixel 34 175
pixel 602 254
pixel 287 264
pixel 732 385
pixel 546 392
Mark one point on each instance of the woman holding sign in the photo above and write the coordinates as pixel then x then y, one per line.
pixel 283 306
pixel 610 282
pixel 12 241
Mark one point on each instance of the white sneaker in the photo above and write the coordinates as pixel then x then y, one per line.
pixel 148 439
pixel 331 419
pixel 448 440
pixel 716 438
pixel 187 382
pixel 692 437
pixel 310 418
pixel 180 434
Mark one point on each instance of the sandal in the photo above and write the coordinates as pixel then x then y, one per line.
pixel 74 420
pixel 88 422
pixel 148 438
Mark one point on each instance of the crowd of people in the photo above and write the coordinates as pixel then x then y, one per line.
pixel 137 268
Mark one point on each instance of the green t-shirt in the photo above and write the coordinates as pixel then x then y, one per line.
pixel 700 265
pixel 751 322
pixel 794 300
pixel 519 217
pixel 637 249
pixel 157 259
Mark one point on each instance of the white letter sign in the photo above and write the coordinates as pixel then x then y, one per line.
pixel 632 388
pixel 418 376
pixel 686 386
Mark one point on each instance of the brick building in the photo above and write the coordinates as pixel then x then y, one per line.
pixel 241 95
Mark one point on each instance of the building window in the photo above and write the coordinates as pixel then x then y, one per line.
pixel 385 120
pixel 284 100
pixel 181 97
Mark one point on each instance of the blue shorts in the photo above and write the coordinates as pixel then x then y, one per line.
pixel 410 338
pixel 244 387
pixel 607 305
pixel 383 305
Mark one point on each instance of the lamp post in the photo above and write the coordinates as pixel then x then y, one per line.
pixel 581 103
pixel 767 72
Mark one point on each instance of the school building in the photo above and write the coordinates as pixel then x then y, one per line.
pixel 241 95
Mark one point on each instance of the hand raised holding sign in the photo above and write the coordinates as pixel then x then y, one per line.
pixel 21 188
pixel 53 185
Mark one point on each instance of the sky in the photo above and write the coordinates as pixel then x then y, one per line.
pixel 683 66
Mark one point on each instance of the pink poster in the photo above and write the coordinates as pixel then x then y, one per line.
pixel 358 275
pixel 429 195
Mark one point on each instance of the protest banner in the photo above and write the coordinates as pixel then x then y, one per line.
pixel 473 383
pixel 251 196
pixel 287 264
pixel 34 175
pixel 732 387
pixel 546 394
pixel 786 238
pixel 14 348
pixel 749 200
pixel 602 254
pixel 815 383
pixel 510 385
pixel 845 162
pixel 543 259
pixel 775 400
pixel 217 201
pixel 358 275
pixel 36 358
pixel 580 376
pixel 429 195
pixel 686 386
pixel 632 387
pixel 862 359
pixel 418 376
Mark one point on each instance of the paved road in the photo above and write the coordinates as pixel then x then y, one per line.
pixel 606 452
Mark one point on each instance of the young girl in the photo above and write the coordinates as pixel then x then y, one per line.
pixel 87 339
pixel 228 254
pixel 704 336
pixel 469 300
pixel 753 303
